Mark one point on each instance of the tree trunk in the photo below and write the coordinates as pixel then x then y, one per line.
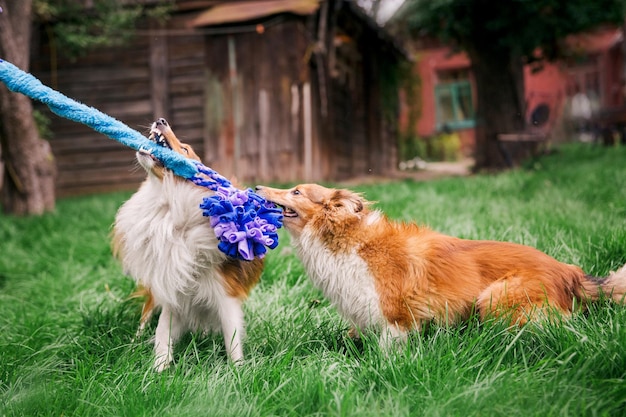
pixel 499 104
pixel 29 169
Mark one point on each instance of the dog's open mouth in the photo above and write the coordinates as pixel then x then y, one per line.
pixel 147 154
pixel 159 138
pixel 287 211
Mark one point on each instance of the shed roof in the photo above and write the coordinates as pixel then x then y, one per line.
pixel 240 11
pixel 243 11
pixel 600 40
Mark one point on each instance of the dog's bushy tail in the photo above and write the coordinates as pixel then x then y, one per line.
pixel 613 286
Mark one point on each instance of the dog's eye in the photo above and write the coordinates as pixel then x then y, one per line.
pixel 295 192
pixel 186 150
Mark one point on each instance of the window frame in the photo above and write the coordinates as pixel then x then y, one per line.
pixel 454 89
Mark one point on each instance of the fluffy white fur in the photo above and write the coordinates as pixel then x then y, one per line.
pixel 343 278
pixel 347 282
pixel 170 248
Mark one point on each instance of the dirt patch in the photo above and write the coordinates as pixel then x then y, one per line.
pixel 431 171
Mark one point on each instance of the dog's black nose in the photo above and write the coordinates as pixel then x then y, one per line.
pixel 161 121
pixel 258 187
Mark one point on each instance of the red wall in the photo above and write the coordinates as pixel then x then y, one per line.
pixel 548 85
pixel 428 63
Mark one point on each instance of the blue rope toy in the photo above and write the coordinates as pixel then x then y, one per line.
pixel 244 223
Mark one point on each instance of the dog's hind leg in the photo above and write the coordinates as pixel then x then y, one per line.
pixel 168 332
pixel 147 309
pixel 146 314
pixel 521 300
pixel 231 317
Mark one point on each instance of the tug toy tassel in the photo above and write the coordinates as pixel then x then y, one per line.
pixel 244 222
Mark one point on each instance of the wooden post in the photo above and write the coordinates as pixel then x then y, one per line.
pixel 308 132
pixel 295 134
pixel 234 85
pixel 159 84
pixel 264 121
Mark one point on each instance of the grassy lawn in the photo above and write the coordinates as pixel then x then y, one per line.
pixel 66 326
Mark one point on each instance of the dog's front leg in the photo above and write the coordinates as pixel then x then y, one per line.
pixel 231 317
pixel 392 335
pixel 168 331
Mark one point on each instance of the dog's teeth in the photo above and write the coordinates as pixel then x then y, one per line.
pixel 157 137
pixel 289 212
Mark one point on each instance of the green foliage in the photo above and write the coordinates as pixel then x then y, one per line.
pixel 411 146
pixel 440 147
pixel 78 28
pixel 511 25
pixel 43 125
pixel 446 147
pixel 67 328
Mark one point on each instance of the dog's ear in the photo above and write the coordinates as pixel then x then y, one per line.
pixel 345 199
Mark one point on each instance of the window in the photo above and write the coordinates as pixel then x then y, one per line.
pixel 585 79
pixel 453 100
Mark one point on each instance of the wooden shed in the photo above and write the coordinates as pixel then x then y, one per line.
pixel 266 90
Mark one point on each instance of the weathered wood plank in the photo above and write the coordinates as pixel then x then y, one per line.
pixel 97 176
pixel 179 102
pixel 189 84
pixel 78 161
pixel 159 72
pixel 186 80
pixel 90 75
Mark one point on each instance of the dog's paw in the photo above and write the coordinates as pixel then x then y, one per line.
pixel 392 338
pixel 162 363
pixel 354 333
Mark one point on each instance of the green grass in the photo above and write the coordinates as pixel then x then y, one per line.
pixel 66 326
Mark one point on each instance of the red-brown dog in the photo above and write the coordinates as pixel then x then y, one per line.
pixel 395 276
